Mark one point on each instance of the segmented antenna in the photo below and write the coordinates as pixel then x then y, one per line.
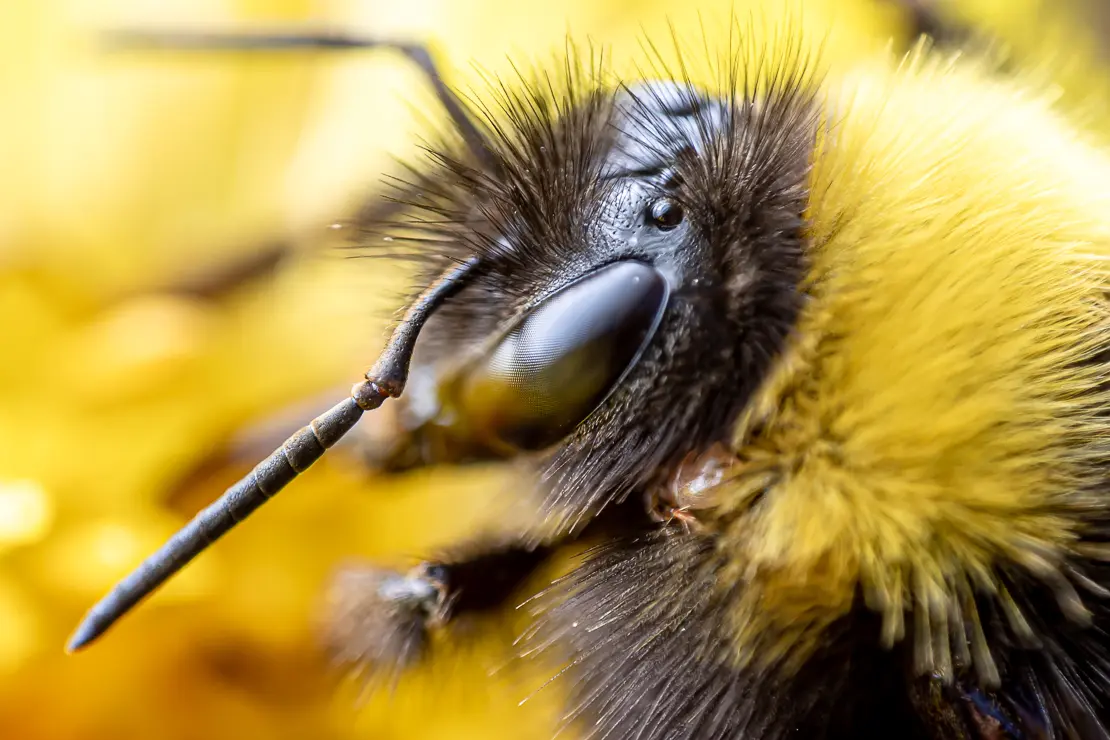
pixel 419 54
pixel 385 379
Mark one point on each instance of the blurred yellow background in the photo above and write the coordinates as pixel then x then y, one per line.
pixel 129 184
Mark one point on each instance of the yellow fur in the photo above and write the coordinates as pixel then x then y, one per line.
pixel 933 414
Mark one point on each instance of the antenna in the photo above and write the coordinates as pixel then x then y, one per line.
pixel 476 141
pixel 384 380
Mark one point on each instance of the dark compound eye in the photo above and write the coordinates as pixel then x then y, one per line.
pixel 666 214
pixel 550 371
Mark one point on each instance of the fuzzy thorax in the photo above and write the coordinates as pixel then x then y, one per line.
pixel 936 416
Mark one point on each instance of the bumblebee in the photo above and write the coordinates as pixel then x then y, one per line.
pixel 821 363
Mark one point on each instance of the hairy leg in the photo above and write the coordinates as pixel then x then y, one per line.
pixel 380 621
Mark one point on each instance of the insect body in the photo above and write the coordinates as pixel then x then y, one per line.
pixel 824 367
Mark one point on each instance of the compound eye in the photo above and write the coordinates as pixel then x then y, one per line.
pixel 665 214
pixel 550 371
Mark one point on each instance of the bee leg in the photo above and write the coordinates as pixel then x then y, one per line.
pixel 377 620
pixel 486 580
pixel 381 621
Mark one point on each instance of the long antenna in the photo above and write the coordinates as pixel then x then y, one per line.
pixel 385 379
pixel 419 54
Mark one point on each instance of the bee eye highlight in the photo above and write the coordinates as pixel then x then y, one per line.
pixel 665 214
pixel 562 359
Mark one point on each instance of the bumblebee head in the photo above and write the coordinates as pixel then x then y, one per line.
pixel 643 251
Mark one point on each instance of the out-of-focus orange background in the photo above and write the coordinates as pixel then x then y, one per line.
pixel 129 184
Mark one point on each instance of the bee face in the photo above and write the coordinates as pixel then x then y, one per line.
pixel 704 193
